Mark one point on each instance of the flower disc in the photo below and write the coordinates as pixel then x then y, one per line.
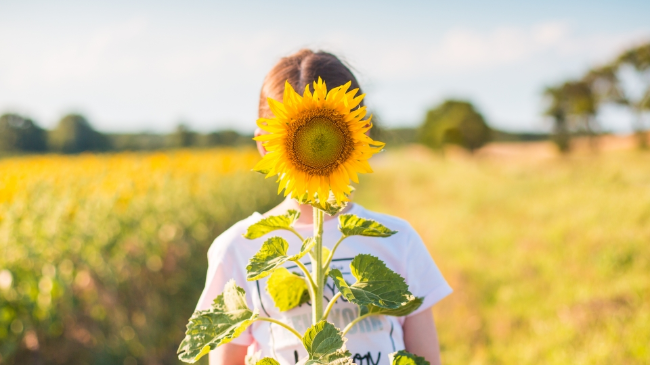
pixel 317 142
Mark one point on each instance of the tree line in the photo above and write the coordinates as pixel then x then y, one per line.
pixel 74 134
pixel 574 105
pixel 453 121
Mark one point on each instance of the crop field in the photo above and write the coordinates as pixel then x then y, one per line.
pixel 102 257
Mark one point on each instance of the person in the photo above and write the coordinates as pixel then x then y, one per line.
pixel 372 339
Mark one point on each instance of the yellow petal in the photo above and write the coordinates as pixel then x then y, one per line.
pixel 277 108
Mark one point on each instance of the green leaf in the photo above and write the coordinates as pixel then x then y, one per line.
pixel 351 225
pixel 262 171
pixel 376 284
pixel 331 207
pixel 307 246
pixel 272 255
pixel 272 223
pixel 325 345
pixel 403 357
pixel 267 361
pixel 407 308
pixel 287 289
pixel 225 321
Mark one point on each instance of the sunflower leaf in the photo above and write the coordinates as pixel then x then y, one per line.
pixel 263 171
pixel 405 309
pixel 272 255
pixel 351 225
pixel 273 223
pixel 325 345
pixel 208 329
pixel 329 206
pixel 403 357
pixel 287 289
pixel 376 284
pixel 307 247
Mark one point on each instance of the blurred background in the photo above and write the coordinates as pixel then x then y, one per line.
pixel 517 146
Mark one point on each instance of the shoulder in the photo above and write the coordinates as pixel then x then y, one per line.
pixel 232 237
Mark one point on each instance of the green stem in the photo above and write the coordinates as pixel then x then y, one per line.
pixel 280 324
pixel 317 266
pixel 356 320
pixel 312 285
pixel 331 256
pixel 330 305
pixel 291 229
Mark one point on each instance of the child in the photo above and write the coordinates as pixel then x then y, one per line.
pixel 372 339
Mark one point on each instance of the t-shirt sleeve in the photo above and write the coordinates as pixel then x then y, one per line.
pixel 224 265
pixel 422 274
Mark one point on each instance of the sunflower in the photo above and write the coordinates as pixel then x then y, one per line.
pixel 317 142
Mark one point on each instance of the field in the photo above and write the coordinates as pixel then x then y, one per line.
pixel 102 257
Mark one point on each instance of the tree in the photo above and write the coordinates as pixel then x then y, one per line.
pixel 573 107
pixel 19 134
pixel 457 122
pixel 557 110
pixel 74 134
pixel 182 137
pixel 638 59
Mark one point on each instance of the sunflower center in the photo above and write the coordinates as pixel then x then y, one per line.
pixel 318 142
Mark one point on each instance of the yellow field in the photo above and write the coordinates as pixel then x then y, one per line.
pixel 102 257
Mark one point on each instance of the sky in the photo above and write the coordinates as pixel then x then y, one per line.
pixel 149 65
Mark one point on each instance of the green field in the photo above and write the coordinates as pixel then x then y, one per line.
pixel 549 260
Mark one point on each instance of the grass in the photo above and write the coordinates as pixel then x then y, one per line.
pixel 549 259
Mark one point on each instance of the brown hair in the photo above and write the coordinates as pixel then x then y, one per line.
pixel 301 69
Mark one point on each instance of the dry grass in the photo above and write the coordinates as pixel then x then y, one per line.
pixel 549 257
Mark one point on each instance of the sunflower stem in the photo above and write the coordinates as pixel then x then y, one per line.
pixel 296 333
pixel 317 266
pixel 312 285
pixel 331 256
pixel 355 321
pixel 331 305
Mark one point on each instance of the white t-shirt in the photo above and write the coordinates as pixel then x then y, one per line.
pixel 371 340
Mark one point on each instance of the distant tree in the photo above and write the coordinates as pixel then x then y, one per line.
pixel 638 59
pixel 137 142
pixel 74 134
pixel 573 106
pixel 182 137
pixel 605 84
pixel 457 122
pixel 223 138
pixel 557 109
pixel 20 134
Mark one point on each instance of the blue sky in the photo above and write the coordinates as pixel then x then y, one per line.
pixel 147 65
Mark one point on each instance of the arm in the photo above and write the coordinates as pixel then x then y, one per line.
pixel 420 336
pixel 228 354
